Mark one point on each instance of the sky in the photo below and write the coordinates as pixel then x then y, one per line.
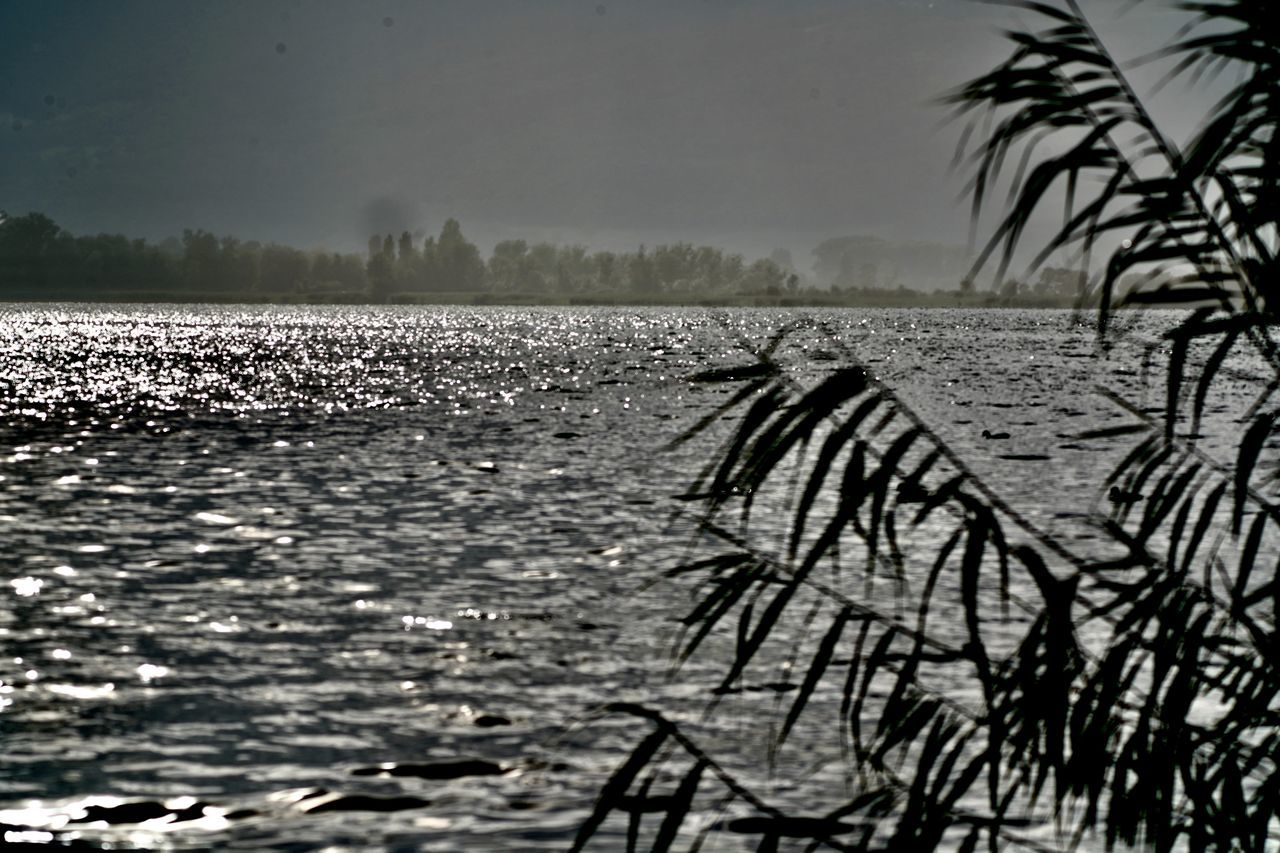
pixel 748 124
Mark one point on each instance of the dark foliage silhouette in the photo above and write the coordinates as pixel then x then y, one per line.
pixel 39 260
pixel 989 684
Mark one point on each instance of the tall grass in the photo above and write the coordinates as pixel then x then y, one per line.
pixel 984 683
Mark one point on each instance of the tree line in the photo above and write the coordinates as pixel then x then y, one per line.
pixel 41 260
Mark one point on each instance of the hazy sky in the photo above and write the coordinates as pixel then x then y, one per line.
pixel 746 124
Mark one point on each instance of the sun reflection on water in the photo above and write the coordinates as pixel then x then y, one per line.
pixel 249 549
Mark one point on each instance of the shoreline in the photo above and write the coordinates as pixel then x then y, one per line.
pixel 852 299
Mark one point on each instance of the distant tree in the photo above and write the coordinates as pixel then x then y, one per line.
pixel 349 272
pixel 332 271
pixel 202 265
pixel 408 263
pixel 709 266
pixel 429 275
pixel 30 247
pixel 605 268
pixel 1056 281
pixel 763 276
pixel 732 269
pixel 504 263
pixel 32 235
pixel 38 259
pixel 459 260
pixel 573 271
pixel 283 269
pixel 244 267
pixel 322 264
pixel 674 265
pixel 640 273
pixel 380 274
pixel 539 271
pixel 406 248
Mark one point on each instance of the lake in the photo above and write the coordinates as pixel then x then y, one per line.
pixel 253 551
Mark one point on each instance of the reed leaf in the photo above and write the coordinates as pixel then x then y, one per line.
pixel 1132 688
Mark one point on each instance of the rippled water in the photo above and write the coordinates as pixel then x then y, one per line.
pixel 249 551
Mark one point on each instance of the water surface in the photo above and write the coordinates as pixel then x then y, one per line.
pixel 252 550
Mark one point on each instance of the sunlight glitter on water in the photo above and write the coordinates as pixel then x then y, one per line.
pixel 27 586
pixel 278 490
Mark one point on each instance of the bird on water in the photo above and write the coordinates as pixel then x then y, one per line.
pixel 994 436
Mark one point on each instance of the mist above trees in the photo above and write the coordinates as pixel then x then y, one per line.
pixel 869 262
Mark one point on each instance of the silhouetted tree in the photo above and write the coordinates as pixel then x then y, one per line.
pixel 380 268
pixel 763 276
pixel 604 269
pixel 407 252
pixel 283 270
pixel 431 276
pixel 504 264
pixel 640 274
pixel 459 261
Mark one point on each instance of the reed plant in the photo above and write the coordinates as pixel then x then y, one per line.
pixel 981 681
